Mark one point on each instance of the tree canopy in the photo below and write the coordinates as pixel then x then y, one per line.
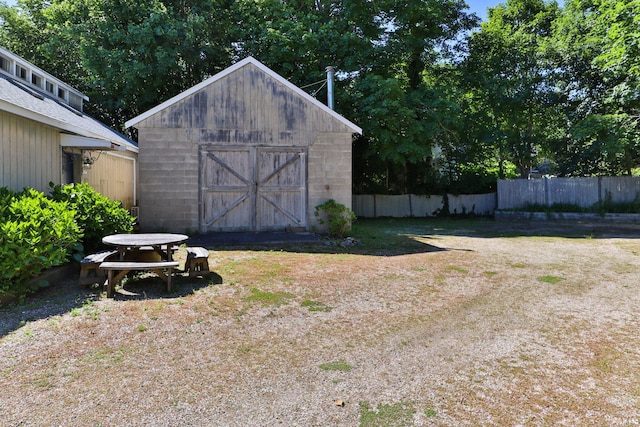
pixel 446 103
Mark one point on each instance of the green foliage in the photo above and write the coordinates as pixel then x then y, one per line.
pixel 161 47
pixel 509 76
pixel 337 216
pixel 96 214
pixel 597 53
pixel 36 233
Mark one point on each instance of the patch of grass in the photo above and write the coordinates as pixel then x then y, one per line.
pixel 397 415
pixel 44 380
pixel 550 279
pixel 430 413
pixel 316 306
pixel 141 328
pixel 268 298
pixel 490 273
pixel 457 269
pixel 337 365
pixel 106 357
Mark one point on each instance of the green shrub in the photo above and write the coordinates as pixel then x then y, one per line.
pixel 96 214
pixel 36 233
pixel 338 217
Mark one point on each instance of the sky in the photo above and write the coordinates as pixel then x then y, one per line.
pixel 479 7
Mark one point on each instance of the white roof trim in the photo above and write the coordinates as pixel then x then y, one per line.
pixel 78 141
pixel 226 72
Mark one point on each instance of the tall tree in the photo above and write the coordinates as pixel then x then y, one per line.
pixel 389 55
pixel 596 42
pixel 127 55
pixel 405 100
pixel 509 78
pixel 32 30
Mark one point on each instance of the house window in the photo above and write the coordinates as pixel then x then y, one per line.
pixel 36 80
pixel 21 72
pixel 49 87
pixel 4 63
pixel 62 94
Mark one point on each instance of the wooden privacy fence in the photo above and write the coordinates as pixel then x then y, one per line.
pixel 411 205
pixel 512 194
pixel 583 192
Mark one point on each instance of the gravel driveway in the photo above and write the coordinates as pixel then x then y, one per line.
pixel 420 324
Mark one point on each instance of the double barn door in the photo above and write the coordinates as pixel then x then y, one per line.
pixel 252 188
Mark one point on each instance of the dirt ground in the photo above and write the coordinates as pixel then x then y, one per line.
pixel 421 323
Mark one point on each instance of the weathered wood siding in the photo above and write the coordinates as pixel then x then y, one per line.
pixel 114 176
pixel 30 154
pixel 247 108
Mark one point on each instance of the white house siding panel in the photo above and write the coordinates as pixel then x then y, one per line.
pixel 30 154
pixel 114 176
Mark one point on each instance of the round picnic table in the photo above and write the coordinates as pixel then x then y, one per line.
pixel 160 242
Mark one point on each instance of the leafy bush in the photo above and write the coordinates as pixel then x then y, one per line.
pixel 337 216
pixel 36 233
pixel 96 214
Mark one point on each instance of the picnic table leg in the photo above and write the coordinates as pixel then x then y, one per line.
pixel 111 281
pixel 110 285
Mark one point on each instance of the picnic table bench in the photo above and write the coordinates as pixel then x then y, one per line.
pixel 197 262
pixel 90 265
pixel 123 267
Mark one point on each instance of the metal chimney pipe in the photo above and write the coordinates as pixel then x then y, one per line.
pixel 330 73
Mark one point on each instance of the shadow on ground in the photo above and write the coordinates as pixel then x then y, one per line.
pixel 66 296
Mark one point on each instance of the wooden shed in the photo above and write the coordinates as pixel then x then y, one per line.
pixel 243 150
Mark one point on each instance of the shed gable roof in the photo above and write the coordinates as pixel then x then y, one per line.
pixel 250 61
